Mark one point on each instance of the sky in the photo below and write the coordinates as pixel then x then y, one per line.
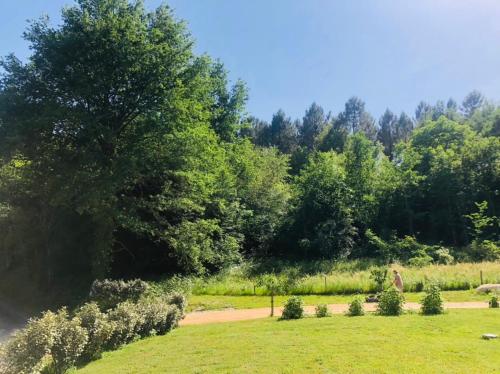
pixel 390 53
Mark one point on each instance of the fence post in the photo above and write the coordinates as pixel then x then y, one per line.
pixel 481 274
pixel 325 283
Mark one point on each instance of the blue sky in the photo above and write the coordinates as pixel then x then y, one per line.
pixel 391 53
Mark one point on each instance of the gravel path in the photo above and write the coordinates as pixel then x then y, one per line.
pixel 231 315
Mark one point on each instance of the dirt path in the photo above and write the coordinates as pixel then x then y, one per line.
pixel 231 315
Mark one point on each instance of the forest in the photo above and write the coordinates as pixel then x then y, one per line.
pixel 125 154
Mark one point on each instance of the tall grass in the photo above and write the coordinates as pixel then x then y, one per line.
pixel 352 278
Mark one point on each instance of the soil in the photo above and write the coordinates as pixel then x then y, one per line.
pixel 231 315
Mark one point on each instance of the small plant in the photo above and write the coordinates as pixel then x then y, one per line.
pixel 322 311
pixel 494 302
pixel 390 303
pixel 432 303
pixel 356 308
pixel 379 276
pixel 294 308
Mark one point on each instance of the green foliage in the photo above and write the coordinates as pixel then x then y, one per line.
pixel 493 303
pixel 321 187
pixel 379 276
pixel 109 293
pixel 180 301
pixel 99 330
pixel 322 311
pixel 432 303
pixel 29 349
pixel 390 302
pixel 293 308
pixel 356 308
pixel 69 343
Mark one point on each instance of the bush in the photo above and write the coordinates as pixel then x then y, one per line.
pixel 420 261
pixel 159 317
pixel 322 311
pixel 485 250
pixel 180 301
pixel 293 308
pixel 494 302
pixel 29 349
pixel 69 342
pixel 109 293
pixel 390 303
pixel 356 308
pixel 99 330
pixel 432 302
pixel 442 256
pixel 128 322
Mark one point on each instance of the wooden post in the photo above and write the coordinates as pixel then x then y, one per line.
pixel 481 274
pixel 272 305
pixel 325 283
pixel 254 289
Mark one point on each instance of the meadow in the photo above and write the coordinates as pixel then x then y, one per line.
pixel 371 344
pixel 352 278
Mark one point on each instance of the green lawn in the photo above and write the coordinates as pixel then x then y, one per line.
pixel 412 343
pixel 212 302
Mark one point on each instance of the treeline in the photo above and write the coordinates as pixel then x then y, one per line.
pixel 125 154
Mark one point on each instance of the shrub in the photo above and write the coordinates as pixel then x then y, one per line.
pixel 390 303
pixel 128 322
pixel 109 293
pixel 432 302
pixel 322 311
pixel 485 250
pixel 356 308
pixel 99 330
pixel 180 301
pixel 159 317
pixel 420 261
pixel 442 255
pixel 293 309
pixel 69 342
pixel 28 350
pixel 494 302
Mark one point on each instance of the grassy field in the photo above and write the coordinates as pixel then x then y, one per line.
pixel 354 277
pixel 214 302
pixel 411 343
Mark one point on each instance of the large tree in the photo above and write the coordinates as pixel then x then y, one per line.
pixel 102 125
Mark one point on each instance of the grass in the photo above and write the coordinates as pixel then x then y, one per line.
pixel 214 302
pixel 354 277
pixel 411 343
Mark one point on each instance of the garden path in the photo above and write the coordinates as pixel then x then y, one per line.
pixel 232 315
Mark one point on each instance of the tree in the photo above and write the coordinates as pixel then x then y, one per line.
pixel 115 120
pixel 387 131
pixel 312 124
pixel 355 118
pixel 321 188
pixel 423 112
pixel 283 133
pixel 404 128
pixel 471 103
pixel 277 285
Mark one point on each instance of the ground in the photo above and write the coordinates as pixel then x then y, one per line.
pixel 412 343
